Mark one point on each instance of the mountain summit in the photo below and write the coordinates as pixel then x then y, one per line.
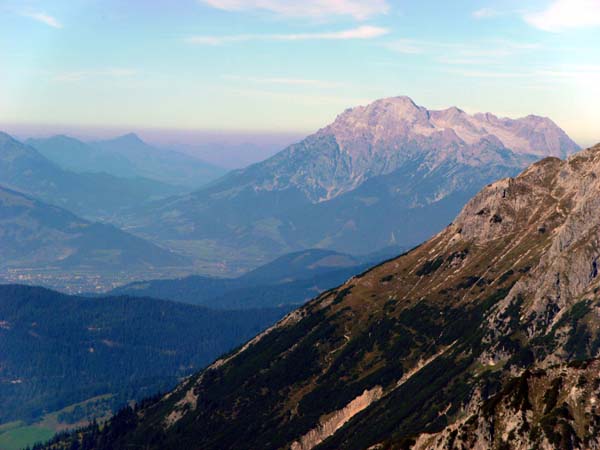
pixel 390 173
pixel 400 119
pixel 479 338
pixel 379 138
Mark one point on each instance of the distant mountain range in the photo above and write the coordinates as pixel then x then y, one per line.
pixel 129 157
pixel 484 337
pixel 35 235
pixel 387 174
pixel 92 195
pixel 390 173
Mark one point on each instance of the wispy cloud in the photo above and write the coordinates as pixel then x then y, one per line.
pixel 461 53
pixel 339 101
pixel 318 9
pixel 79 75
pixel 42 18
pixel 286 81
pixel 587 74
pixel 562 15
pixel 490 74
pixel 363 32
pixel 549 76
pixel 407 46
pixel 486 13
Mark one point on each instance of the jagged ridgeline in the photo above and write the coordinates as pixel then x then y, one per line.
pixel 479 338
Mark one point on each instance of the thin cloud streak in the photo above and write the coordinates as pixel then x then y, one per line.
pixel 494 74
pixel 42 18
pixel 316 9
pixel 363 32
pixel 552 75
pixel 74 76
pixel 459 53
pixel 406 46
pixel 485 13
pixel 285 81
pixel 342 101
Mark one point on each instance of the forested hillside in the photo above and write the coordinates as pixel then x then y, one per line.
pixel 78 348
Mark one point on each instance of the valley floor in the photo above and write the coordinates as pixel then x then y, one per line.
pixel 18 434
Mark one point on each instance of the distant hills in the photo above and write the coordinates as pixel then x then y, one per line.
pixel 58 350
pixel 92 195
pixel 35 235
pixel 129 157
pixel 289 280
pixel 389 173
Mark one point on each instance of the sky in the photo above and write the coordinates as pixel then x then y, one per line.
pixel 269 66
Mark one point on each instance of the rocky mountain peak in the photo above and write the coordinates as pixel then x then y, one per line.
pixel 392 165
pixel 387 127
pixel 379 138
pixel 551 408
pixel 450 113
pixel 547 197
pixel 382 120
pixel 552 209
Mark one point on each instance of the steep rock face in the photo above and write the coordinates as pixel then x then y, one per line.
pixel 389 173
pixel 377 139
pixel 554 408
pixel 509 289
pixel 552 198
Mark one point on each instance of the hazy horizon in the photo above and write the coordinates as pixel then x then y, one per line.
pixel 238 148
pixel 227 149
pixel 111 65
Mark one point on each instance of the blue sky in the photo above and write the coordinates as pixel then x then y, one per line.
pixel 282 65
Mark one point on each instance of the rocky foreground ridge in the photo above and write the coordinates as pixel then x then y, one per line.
pixel 482 337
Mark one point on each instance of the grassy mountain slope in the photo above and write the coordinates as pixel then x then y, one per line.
pixel 399 352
